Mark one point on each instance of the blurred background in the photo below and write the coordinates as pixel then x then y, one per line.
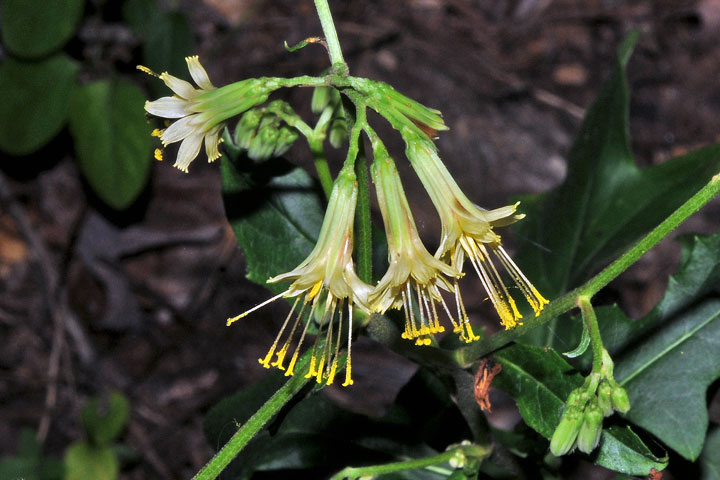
pixel 103 290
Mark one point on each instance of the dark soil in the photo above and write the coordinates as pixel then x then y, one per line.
pixel 93 300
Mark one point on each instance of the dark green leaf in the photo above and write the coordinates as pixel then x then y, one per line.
pixel 540 381
pixel 667 376
pixel 29 463
pixel 710 458
pixel 104 422
pixel 276 213
pixel 605 202
pixel 83 461
pixel 36 28
pixel 112 140
pixel 168 37
pixel 623 451
pixel 34 101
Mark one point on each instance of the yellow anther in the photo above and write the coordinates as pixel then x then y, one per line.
pixel 145 69
pixel 158 154
pixel 157 132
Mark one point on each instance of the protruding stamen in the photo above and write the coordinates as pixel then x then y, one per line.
pixel 232 320
pixel 145 69
pixel 348 365
pixel 536 301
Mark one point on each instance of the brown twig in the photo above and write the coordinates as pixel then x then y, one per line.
pixel 49 285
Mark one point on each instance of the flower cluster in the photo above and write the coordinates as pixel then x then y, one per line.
pixel 325 288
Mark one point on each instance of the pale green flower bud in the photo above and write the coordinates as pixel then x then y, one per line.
pixel 323 97
pixel 338 132
pixel 263 144
pixel 285 140
pixel 591 429
pixel 247 127
pixel 563 439
pixel 604 393
pixel 620 399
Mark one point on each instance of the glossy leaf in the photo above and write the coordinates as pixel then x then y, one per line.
pixel 667 376
pixel 605 202
pixel 36 28
pixel 112 140
pixel 34 101
pixel 276 213
pixel 540 381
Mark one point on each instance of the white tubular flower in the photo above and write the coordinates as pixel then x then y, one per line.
pixel 468 231
pixel 200 113
pixel 413 273
pixel 324 284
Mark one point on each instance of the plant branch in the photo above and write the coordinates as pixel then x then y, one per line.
pixel 333 43
pixel 468 355
pixel 475 452
pixel 241 438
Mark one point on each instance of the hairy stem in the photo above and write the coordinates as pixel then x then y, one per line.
pixel 241 438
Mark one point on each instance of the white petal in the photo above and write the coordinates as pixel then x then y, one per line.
pixel 180 87
pixel 212 142
pixel 198 73
pixel 178 130
pixel 167 107
pixel 189 149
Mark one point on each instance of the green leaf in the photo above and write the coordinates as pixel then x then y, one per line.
pixel 103 423
pixel 34 101
pixel 582 346
pixel 710 458
pixel 666 378
pixel 112 139
pixel 83 461
pixel 605 202
pixel 623 451
pixel 34 28
pixel 276 213
pixel 540 381
pixel 29 463
pixel 168 37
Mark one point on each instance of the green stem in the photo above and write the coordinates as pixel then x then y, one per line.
pixel 241 438
pixel 363 236
pixel 336 57
pixel 590 319
pixel 468 355
pixel 352 473
pixel 318 152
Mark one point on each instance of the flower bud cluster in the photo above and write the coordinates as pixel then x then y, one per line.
pixel 263 134
pixel 327 101
pixel 581 423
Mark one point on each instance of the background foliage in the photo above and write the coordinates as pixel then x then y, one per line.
pixel 66 97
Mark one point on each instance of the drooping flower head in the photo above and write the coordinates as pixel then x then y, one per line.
pixel 324 286
pixel 200 113
pixel 413 273
pixel 467 231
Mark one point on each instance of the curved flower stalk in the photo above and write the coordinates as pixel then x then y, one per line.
pixel 413 273
pixel 200 113
pixel 325 285
pixel 468 232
